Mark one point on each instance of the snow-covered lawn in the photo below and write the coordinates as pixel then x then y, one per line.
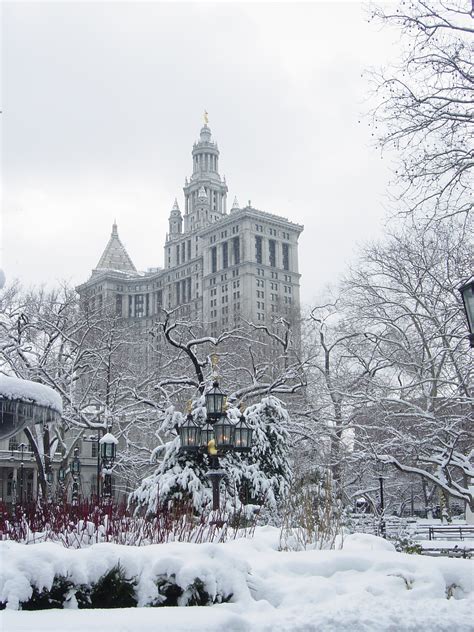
pixel 364 586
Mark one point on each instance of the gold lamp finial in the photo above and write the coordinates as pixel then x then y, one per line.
pixel 206 117
pixel 214 361
pixel 189 406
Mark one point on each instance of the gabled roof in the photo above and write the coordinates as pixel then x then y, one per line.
pixel 115 257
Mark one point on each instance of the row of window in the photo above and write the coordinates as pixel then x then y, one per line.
pixel 272 252
pixel 226 254
pixel 272 231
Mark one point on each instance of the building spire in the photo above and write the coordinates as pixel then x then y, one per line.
pixel 115 256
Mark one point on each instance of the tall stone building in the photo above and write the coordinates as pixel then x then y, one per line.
pixel 220 266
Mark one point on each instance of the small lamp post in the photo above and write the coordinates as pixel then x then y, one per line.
pixel 467 293
pixel 75 469
pixel 380 469
pixel 108 451
pixel 22 448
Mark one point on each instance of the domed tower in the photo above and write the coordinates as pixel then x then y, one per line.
pixel 205 175
pixel 175 222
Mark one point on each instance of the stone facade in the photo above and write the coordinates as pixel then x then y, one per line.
pixel 219 267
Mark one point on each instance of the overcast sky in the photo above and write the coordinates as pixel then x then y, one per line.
pixel 103 101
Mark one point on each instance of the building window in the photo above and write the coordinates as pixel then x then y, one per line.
pixel 225 254
pixel 272 252
pixel 118 304
pixel 236 250
pixel 286 256
pixel 258 249
pixel 214 259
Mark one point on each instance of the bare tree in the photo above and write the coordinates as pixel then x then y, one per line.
pixel 403 298
pixel 425 106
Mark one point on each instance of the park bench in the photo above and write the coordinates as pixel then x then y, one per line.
pixel 451 532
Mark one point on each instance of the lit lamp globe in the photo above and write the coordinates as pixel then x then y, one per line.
pixel 190 434
pixel 215 400
pixel 224 433
pixel 467 293
pixel 242 436
pixel 207 434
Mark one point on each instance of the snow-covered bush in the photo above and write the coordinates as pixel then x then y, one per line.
pixel 261 476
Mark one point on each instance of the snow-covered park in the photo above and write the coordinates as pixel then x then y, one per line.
pixel 364 585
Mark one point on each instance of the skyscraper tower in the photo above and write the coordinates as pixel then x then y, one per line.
pixel 205 179
pixel 220 269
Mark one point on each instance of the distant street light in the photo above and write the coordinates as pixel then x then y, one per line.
pixel 108 450
pixel 380 470
pixel 467 293
pixel 217 436
pixel 75 469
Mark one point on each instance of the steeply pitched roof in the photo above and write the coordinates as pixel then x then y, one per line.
pixel 115 257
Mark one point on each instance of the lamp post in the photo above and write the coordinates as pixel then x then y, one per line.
pixel 75 469
pixel 22 447
pixel 108 451
pixel 217 436
pixel 467 293
pixel 380 471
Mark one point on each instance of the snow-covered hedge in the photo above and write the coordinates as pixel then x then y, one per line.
pixel 367 578
pixel 155 575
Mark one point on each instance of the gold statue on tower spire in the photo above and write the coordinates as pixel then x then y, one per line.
pixel 206 117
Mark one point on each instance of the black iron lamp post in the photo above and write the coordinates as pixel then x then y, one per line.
pixel 217 436
pixel 380 469
pixel 75 469
pixel 108 452
pixel 22 447
pixel 467 293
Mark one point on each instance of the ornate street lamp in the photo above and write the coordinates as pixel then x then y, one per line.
pixel 467 293
pixel 242 436
pixel 108 450
pixel 108 447
pixel 215 402
pixel 217 436
pixel 190 434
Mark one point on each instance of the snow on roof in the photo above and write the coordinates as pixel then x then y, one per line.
pixel 30 392
pixel 109 438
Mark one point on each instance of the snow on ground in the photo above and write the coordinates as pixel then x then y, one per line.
pixel 366 586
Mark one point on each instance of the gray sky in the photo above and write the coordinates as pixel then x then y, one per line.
pixel 102 103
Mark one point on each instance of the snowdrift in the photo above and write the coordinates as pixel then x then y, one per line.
pixel 366 585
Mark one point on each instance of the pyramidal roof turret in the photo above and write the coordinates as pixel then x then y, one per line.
pixel 115 256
